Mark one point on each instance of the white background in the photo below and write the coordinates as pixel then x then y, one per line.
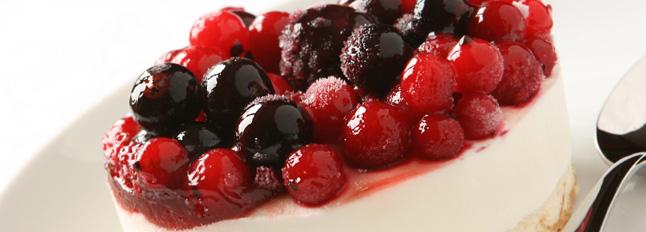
pixel 58 58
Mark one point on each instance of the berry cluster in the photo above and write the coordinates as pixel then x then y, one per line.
pixel 365 84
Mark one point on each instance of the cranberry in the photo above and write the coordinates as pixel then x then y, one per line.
pixel 161 163
pixel 376 135
pixel 199 138
pixel 165 97
pixel 220 177
pixel 230 86
pixel 312 41
pixel 314 174
pixel 545 53
pixel 538 18
pixel 168 56
pixel 327 102
pixel 199 60
pixel 438 137
pixel 478 65
pixel 222 30
pixel 438 44
pixel 263 37
pixel 443 16
pixel 279 83
pixel 479 114
pixel 523 75
pixel 122 132
pixel 497 21
pixel 245 16
pixel 428 83
pixel 386 11
pixel 270 128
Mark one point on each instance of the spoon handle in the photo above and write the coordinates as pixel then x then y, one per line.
pixel 592 214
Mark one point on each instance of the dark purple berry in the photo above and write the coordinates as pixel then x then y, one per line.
pixel 442 16
pixel 373 58
pixel 312 41
pixel 270 129
pixel 230 86
pixel 199 138
pixel 165 97
pixel 386 11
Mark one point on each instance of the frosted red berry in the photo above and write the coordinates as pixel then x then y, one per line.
pixel 438 44
pixel 545 52
pixel 120 133
pixel 479 114
pixel 538 18
pixel 263 39
pixel 199 60
pixel 428 83
pixel 161 163
pixel 222 30
pixel 522 77
pixel 497 21
pixel 313 174
pixel 478 65
pixel 438 137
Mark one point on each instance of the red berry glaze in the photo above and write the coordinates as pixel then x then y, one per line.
pixel 523 75
pixel 222 30
pixel 161 163
pixel 376 135
pixel 538 18
pixel 314 174
pixel 263 37
pixel 497 21
pixel 428 83
pixel 438 137
pixel 479 114
pixel 478 65
pixel 545 53
pixel 438 45
pixel 280 84
pixel 327 101
pixel 199 60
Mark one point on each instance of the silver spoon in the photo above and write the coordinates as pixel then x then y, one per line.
pixel 621 139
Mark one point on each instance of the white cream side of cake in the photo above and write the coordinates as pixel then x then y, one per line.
pixel 497 188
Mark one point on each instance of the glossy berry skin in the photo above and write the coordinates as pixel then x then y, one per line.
pixel 312 41
pixel 428 83
pixel 373 58
pixel 220 177
pixel 438 44
pixel 443 16
pixel 230 86
pixel 376 135
pixel 168 56
pixel 199 138
pixel 327 101
pixel 522 77
pixel 221 30
pixel 281 86
pixel 199 60
pixel 161 163
pixel 497 21
pixel 314 174
pixel 245 16
pixel 479 114
pixel 538 18
pixel 386 11
pixel 478 65
pixel 165 97
pixel 263 37
pixel 438 137
pixel 121 132
pixel 545 52
pixel 270 128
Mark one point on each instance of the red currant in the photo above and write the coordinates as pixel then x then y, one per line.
pixel 263 37
pixel 478 65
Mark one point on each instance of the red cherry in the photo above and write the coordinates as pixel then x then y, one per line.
pixel 428 83
pixel 545 53
pixel 280 84
pixel 438 137
pixel 478 65
pixel 376 135
pixel 438 44
pixel 161 163
pixel 220 30
pixel 327 101
pixel 199 60
pixel 479 114
pixel 523 75
pixel 538 18
pixel 497 21
pixel 263 37
pixel 314 174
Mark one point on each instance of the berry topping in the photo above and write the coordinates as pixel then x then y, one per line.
pixel 144 136
pixel 267 178
pixel 311 43
pixel 165 97
pixel 373 58
pixel 314 174
pixel 479 114
pixel 327 101
pixel 438 44
pixel 523 75
pixel 199 138
pixel 438 137
pixel 279 83
pixel 199 60
pixel 121 132
pixel 161 163
pixel 497 21
pixel 545 53
pixel 263 37
pixel 376 135
pixel 221 30
pixel 168 57
pixel 230 86
pixel 220 177
pixel 270 128
pixel 428 83
pixel 246 17
pixel 478 65
pixel 538 18
pixel 386 11
pixel 443 16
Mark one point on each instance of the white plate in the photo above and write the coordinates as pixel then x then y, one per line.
pixel 63 188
